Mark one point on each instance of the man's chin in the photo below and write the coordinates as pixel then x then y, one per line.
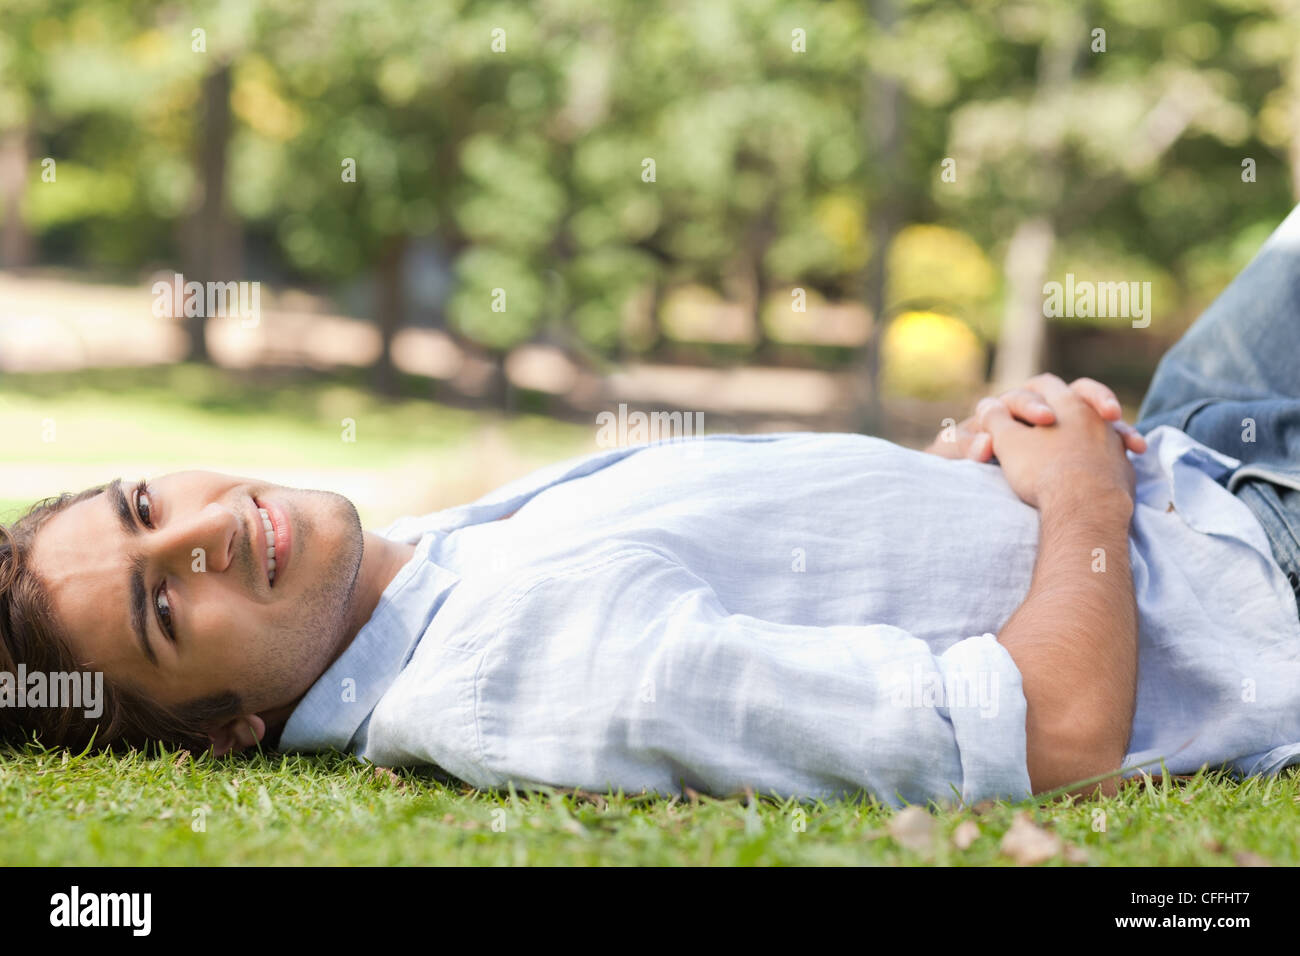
pixel 328 550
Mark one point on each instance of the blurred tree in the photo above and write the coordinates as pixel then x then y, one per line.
pixel 1078 145
pixel 741 173
pixel 578 161
pixel 22 91
pixel 417 121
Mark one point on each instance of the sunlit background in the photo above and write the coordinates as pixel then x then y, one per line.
pixel 476 226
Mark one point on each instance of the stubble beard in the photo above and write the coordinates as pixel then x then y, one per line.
pixel 321 619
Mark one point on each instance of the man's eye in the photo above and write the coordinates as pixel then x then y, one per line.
pixel 143 506
pixel 165 612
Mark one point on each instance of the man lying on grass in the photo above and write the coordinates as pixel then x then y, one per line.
pixel 807 615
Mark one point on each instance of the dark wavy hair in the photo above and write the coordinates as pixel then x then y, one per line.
pixel 31 634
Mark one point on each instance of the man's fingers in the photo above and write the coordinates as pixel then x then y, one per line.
pixel 1101 398
pixel 954 441
pixel 1051 387
pixel 1133 439
pixel 992 416
pixel 1104 402
pixel 1028 405
pixel 981 447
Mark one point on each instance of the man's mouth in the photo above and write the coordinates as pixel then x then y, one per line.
pixel 275 540
pixel 270 545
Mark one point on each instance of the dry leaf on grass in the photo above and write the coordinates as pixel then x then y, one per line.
pixel 967 832
pixel 1027 843
pixel 384 773
pixel 588 796
pixel 912 828
pixel 1075 854
pixel 1247 858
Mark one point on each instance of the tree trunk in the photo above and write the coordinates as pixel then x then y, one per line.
pixel 505 392
pixel 15 240
pixel 212 248
pixel 646 333
pixel 756 283
pixel 390 311
pixel 1024 327
pixel 1294 146
pixel 883 132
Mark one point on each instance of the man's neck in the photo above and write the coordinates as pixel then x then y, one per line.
pixel 381 559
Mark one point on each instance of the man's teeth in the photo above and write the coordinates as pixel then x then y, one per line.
pixel 270 544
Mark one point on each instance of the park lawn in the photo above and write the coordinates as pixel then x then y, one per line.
pixel 176 413
pixel 58 808
pixel 66 431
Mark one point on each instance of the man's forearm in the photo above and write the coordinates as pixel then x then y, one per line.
pixel 1074 640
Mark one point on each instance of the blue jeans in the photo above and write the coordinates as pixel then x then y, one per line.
pixel 1232 382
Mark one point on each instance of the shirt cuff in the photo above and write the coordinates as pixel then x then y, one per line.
pixel 987 708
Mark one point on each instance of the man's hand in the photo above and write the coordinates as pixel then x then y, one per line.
pixel 1080 454
pixel 969 439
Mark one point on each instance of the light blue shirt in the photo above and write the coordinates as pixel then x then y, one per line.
pixel 801 614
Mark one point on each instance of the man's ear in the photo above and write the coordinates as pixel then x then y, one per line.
pixel 236 734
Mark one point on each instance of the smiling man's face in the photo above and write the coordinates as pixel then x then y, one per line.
pixel 167 588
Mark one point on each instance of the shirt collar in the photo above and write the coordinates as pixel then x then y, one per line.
pixel 343 697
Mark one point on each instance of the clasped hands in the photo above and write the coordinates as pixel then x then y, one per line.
pixel 1055 442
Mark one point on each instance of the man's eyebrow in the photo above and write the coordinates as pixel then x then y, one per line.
pixel 123 508
pixel 139 616
pixel 135 584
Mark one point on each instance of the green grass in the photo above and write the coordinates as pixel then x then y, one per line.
pixel 60 809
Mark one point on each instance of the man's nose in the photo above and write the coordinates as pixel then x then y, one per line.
pixel 204 540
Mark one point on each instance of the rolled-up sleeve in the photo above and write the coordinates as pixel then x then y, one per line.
pixel 630 672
